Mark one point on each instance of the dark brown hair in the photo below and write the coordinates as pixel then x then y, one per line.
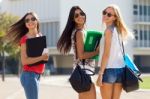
pixel 19 29
pixel 64 43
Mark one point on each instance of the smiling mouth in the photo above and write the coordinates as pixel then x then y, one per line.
pixel 31 24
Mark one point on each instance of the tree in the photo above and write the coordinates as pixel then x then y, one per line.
pixel 6 49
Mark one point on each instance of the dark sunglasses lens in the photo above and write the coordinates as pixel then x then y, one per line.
pixel 82 13
pixel 109 14
pixel 104 12
pixel 27 20
pixel 76 15
pixel 33 18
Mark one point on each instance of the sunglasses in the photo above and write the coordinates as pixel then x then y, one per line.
pixel 79 14
pixel 28 20
pixel 108 14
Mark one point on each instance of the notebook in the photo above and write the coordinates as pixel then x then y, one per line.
pixel 92 40
pixel 35 47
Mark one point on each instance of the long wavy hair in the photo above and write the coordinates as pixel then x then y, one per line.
pixel 64 43
pixel 19 29
pixel 119 23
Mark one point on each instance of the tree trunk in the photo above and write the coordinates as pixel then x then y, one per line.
pixel 3 65
pixel 19 67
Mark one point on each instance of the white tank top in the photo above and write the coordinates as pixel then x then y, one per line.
pixel 115 58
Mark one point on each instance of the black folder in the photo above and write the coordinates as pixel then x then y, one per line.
pixel 35 47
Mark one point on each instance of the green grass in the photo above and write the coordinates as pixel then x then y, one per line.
pixel 146 83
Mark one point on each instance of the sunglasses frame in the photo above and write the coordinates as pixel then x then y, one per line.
pixel 30 19
pixel 76 15
pixel 107 13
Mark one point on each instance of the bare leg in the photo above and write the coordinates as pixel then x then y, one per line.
pixel 89 94
pixel 106 91
pixel 117 90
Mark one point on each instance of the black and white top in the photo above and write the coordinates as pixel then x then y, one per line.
pixel 89 63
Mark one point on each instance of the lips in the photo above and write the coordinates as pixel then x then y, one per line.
pixel 31 25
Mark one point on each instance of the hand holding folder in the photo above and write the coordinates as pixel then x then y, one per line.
pixel 45 51
pixel 92 40
pixel 35 47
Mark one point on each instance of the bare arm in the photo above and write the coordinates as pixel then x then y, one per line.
pixel 80 47
pixel 106 53
pixel 29 60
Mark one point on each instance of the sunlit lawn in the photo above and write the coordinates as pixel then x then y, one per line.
pixel 146 83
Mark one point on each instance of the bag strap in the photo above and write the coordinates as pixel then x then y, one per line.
pixel 83 60
pixel 123 53
pixel 85 69
pixel 122 46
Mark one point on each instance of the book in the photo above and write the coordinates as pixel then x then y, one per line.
pixel 92 40
pixel 35 47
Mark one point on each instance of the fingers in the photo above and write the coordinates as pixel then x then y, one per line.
pixel 45 57
pixel 99 81
pixel 97 49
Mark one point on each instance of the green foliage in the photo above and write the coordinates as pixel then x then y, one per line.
pixel 6 20
pixel 146 83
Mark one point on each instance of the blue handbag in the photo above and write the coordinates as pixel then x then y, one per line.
pixel 131 75
pixel 130 64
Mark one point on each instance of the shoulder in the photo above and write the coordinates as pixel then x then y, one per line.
pixel 108 34
pixel 23 39
pixel 79 35
pixel 79 32
pixel 108 31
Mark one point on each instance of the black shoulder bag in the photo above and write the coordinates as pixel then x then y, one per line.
pixel 79 80
pixel 131 77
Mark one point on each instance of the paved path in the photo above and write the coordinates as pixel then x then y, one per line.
pixel 55 87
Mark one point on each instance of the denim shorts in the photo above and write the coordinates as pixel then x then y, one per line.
pixel 113 75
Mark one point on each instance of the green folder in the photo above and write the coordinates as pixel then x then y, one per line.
pixel 92 40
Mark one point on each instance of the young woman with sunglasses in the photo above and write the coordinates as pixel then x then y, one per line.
pixel 111 59
pixel 28 27
pixel 73 36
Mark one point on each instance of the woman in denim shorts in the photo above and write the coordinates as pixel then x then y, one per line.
pixel 111 57
pixel 73 37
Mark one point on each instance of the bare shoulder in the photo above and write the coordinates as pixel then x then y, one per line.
pixel 108 34
pixel 79 33
pixel 108 31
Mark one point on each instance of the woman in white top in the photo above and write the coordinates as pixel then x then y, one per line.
pixel 111 58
